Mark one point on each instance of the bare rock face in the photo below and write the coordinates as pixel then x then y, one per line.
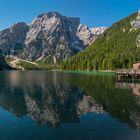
pixel 98 30
pixel 87 35
pixel 136 25
pixel 51 38
pixel 13 37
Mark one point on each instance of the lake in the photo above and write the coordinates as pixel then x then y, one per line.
pixel 43 105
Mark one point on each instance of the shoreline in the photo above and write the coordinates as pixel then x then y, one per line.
pixel 100 73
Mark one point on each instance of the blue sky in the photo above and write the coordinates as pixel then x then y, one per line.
pixel 91 12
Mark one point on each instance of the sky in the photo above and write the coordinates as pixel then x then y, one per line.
pixel 91 12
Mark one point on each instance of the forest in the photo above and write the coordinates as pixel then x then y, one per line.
pixel 116 48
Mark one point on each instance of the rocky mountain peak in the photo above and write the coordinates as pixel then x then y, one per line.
pixel 52 33
pixel 89 35
pixel 136 23
pixel 98 30
pixel 50 37
pixel 55 15
pixel 13 37
pixel 49 24
pixel 19 25
pixel 49 15
pixel 85 34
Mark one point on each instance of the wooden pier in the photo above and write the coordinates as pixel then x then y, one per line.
pixel 127 75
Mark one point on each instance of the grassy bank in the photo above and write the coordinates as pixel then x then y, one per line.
pixel 98 73
pixel 27 65
pixel 38 66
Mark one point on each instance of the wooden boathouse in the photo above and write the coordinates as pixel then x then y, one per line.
pixel 129 75
pixel 125 75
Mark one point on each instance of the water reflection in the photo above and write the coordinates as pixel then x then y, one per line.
pixel 45 98
pixel 135 113
pixel 53 98
pixel 134 86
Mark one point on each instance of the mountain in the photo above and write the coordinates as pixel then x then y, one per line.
pixel 98 30
pixel 51 38
pixel 89 35
pixel 117 47
pixel 13 37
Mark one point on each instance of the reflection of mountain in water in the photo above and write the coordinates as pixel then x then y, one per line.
pixel 51 98
pixel 88 104
pixel 52 104
pixel 47 103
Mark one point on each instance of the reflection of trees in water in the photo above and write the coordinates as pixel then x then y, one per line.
pixel 134 115
pixel 120 103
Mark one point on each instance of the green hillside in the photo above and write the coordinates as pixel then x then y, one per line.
pixel 116 48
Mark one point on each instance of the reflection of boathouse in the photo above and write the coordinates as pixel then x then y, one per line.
pixel 134 86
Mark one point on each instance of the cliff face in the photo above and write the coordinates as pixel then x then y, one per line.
pixel 51 38
pixel 89 35
pixel 136 26
pixel 13 37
